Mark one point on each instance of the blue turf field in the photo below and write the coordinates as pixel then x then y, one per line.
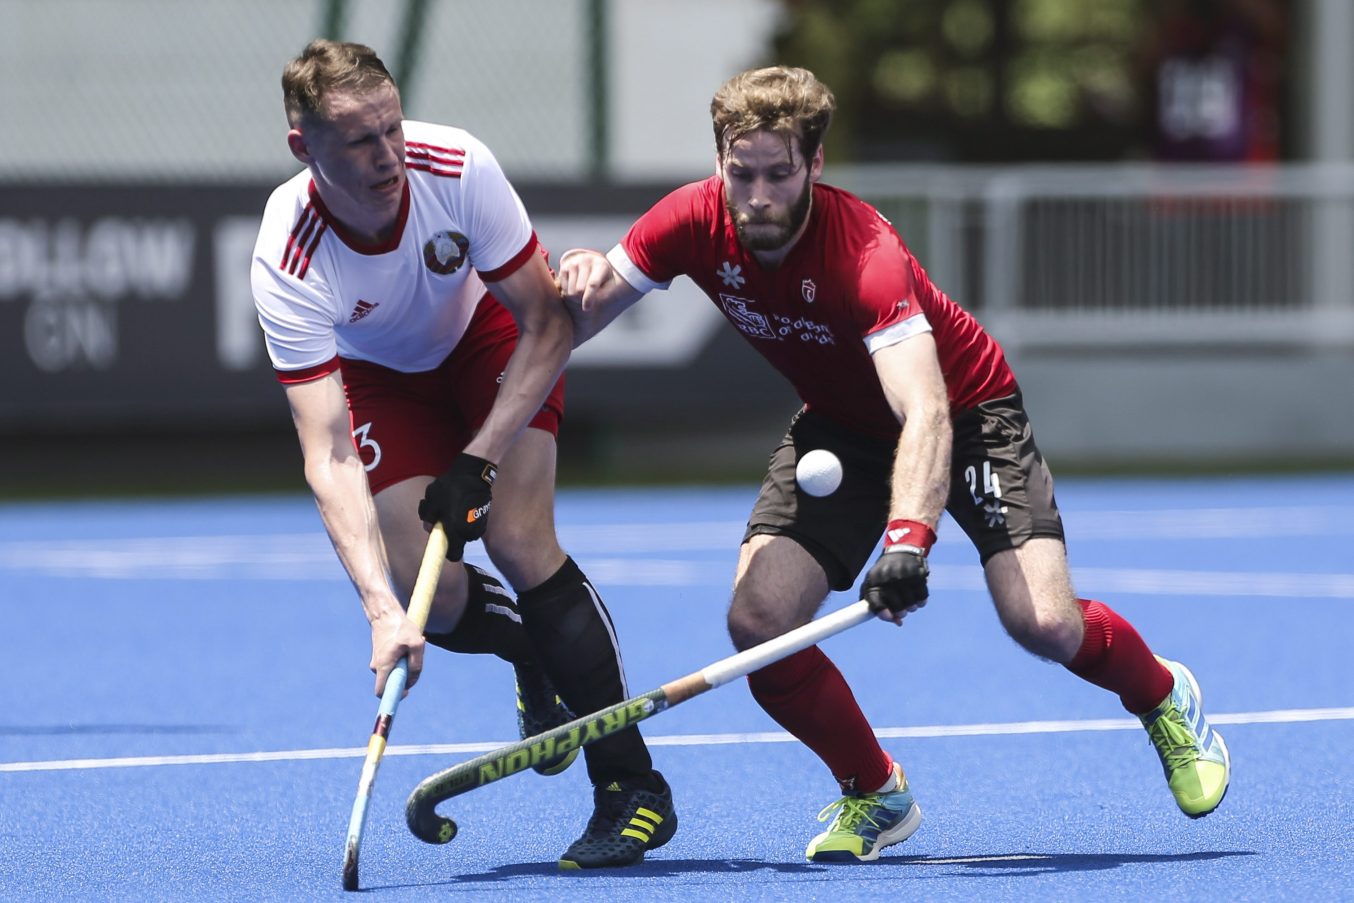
pixel 186 707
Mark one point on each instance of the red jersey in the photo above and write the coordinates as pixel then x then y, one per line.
pixel 847 288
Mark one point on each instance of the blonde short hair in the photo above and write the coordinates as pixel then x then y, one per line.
pixel 326 66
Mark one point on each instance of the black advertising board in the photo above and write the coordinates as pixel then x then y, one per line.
pixel 128 304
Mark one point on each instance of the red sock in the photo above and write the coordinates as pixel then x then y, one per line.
pixel 1114 656
pixel 808 696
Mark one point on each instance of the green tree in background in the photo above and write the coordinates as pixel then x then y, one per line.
pixel 975 80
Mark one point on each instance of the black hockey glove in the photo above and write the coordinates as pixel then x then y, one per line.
pixel 460 500
pixel 897 581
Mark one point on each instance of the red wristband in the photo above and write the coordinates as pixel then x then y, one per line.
pixel 909 533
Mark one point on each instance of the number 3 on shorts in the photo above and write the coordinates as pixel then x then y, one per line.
pixel 364 442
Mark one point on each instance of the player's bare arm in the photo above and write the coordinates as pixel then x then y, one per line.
pixel 543 345
pixel 910 375
pixel 336 476
pixel 594 293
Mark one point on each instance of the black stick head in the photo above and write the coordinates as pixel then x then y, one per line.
pixel 350 867
pixel 424 822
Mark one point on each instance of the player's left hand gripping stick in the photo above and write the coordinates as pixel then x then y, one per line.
pixel 421 810
pixel 419 604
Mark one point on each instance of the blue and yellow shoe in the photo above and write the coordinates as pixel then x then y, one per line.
pixel 1193 755
pixel 866 823
pixel 540 709
pixel 628 818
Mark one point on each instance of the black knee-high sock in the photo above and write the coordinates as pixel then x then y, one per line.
pixel 491 622
pixel 574 639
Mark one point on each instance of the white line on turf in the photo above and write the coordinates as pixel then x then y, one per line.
pixel 1232 584
pixel 310 557
pixel 1277 716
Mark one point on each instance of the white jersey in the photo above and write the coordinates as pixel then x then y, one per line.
pixel 404 304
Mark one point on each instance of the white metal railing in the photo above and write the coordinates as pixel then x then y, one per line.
pixel 1133 254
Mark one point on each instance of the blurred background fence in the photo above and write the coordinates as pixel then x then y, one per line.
pixel 1159 313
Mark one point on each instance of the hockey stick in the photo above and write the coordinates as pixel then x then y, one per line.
pixel 421 810
pixel 419 604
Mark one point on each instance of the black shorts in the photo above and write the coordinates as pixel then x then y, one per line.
pixel 1001 491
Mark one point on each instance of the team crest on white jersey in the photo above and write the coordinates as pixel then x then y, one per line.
pixel 809 290
pixel 749 322
pixel 445 252
pixel 731 275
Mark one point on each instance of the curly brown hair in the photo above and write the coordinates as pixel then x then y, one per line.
pixel 780 99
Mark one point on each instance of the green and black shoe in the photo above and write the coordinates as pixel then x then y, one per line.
pixel 628 818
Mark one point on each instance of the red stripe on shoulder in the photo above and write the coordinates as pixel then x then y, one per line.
pixel 517 261
pixel 302 223
pixel 440 161
pixel 305 237
pixel 310 251
pixel 443 171
pixel 424 149
pixel 307 374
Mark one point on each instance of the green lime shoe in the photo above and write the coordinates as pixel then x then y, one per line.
pixel 863 824
pixel 1193 755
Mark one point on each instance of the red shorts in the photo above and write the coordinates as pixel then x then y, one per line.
pixel 414 424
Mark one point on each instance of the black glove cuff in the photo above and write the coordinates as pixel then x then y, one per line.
pixel 476 468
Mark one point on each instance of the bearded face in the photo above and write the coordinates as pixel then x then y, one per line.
pixel 768 189
pixel 771 231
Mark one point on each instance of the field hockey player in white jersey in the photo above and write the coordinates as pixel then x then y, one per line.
pixel 418 334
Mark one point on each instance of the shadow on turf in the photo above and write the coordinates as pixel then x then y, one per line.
pixel 981 865
pixel 1044 863
pixel 649 868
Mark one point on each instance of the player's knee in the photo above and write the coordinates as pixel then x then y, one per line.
pixel 508 536
pixel 524 550
pixel 751 622
pixel 1047 634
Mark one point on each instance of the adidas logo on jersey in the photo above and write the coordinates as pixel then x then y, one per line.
pixel 362 309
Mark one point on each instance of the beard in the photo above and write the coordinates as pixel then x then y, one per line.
pixel 787 224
